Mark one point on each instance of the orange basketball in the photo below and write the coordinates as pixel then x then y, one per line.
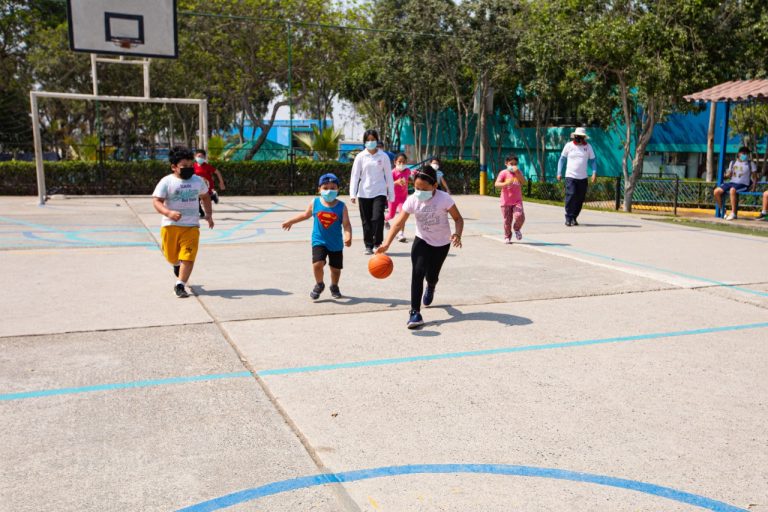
pixel 380 266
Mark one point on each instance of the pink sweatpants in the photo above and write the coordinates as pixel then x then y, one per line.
pixel 514 217
pixel 393 209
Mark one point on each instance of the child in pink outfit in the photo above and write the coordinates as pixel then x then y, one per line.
pixel 511 181
pixel 400 175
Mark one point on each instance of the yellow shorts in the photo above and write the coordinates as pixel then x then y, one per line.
pixel 179 243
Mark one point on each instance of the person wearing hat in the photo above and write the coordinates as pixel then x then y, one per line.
pixel 577 155
pixel 330 216
pixel 740 175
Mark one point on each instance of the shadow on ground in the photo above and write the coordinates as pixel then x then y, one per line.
pixel 236 294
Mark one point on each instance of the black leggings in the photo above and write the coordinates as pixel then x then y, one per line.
pixel 372 215
pixel 427 261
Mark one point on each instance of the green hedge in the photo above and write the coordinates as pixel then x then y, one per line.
pixel 241 178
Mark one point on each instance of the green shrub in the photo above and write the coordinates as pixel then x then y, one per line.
pixel 242 178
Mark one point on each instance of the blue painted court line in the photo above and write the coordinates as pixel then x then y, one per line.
pixel 487 469
pixel 381 362
pixel 651 267
pixel 228 232
pixel 507 350
pixel 122 385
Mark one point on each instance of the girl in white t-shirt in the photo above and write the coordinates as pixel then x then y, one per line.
pixel 433 237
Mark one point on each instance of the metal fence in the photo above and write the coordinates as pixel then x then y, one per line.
pixel 657 193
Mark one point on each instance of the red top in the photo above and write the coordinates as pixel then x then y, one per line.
pixel 206 171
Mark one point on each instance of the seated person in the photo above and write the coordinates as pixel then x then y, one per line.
pixel 739 174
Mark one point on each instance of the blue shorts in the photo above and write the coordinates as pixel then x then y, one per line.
pixel 740 187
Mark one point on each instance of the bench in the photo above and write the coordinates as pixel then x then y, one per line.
pixel 720 212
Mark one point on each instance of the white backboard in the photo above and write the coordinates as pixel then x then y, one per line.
pixel 142 28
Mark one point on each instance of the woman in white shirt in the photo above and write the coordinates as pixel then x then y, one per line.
pixel 371 184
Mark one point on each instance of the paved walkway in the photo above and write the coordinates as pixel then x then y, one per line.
pixel 618 365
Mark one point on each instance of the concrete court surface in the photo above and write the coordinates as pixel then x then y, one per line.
pixel 618 365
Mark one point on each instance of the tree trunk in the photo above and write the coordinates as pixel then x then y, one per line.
pixel 265 127
pixel 648 122
pixel 711 142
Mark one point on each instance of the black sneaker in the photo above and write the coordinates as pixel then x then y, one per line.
pixel 215 198
pixel 176 270
pixel 317 290
pixel 368 251
pixel 574 222
pixel 415 320
pixel 568 222
pixel 335 292
pixel 180 292
pixel 429 295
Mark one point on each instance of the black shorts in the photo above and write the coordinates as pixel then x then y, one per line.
pixel 335 258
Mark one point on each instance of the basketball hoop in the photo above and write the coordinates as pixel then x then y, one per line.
pixel 124 43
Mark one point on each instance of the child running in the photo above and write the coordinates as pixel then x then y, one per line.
pixel 433 237
pixel 206 171
pixel 176 199
pixel 511 181
pixel 401 176
pixel 330 215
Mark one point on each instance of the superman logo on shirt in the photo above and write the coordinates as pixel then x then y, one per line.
pixel 327 218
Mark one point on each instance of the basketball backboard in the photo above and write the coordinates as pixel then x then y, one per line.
pixel 141 28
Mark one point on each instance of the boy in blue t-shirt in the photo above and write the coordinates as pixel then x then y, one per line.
pixel 330 216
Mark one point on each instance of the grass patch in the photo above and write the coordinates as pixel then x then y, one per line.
pixel 715 226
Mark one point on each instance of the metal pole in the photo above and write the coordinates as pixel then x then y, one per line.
pixel 146 78
pixel 38 149
pixel 289 30
pixel 94 75
pixel 677 192
pixel 719 212
pixel 204 124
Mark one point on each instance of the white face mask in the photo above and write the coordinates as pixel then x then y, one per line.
pixel 400 167
pixel 371 145
pixel 423 195
pixel 435 166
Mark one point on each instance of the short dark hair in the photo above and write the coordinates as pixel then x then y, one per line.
pixel 511 157
pixel 201 152
pixel 178 154
pixel 368 133
pixel 401 155
pixel 744 149
pixel 436 159
pixel 426 173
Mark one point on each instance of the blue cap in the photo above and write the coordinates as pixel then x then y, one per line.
pixel 328 178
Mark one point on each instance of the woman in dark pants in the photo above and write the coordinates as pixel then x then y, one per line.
pixel 371 184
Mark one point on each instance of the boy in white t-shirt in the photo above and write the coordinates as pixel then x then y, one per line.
pixel 431 207
pixel 176 198
pixel 739 174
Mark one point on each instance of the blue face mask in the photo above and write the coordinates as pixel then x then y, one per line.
pixel 371 144
pixel 743 158
pixel 200 160
pixel 423 195
pixel 329 195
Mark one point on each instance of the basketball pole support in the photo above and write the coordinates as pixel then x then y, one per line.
pixel 34 95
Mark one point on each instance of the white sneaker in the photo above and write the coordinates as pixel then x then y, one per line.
pixel 507 240
pixel 402 238
pixel 730 217
pixel 518 235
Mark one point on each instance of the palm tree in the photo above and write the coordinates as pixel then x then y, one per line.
pixel 323 143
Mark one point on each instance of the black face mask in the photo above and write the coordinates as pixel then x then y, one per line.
pixel 186 172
